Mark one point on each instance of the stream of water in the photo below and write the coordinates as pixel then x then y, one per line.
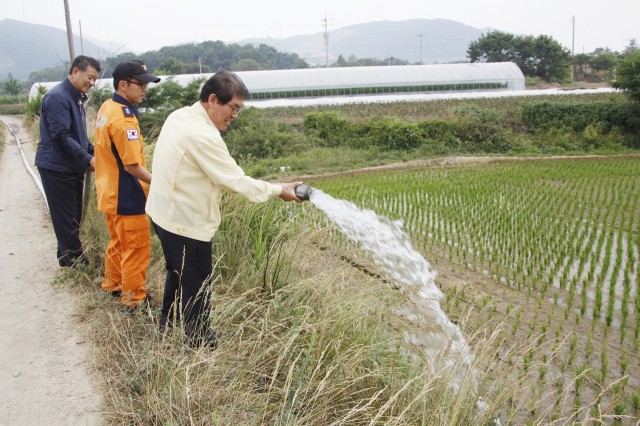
pixel 441 341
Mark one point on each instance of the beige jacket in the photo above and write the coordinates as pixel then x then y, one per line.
pixel 191 167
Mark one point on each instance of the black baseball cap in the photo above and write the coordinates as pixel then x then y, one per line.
pixel 135 69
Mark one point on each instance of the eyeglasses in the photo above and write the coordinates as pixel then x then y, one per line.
pixel 234 110
pixel 139 83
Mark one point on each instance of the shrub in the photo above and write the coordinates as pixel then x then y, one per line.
pixel 98 95
pixel 626 117
pixel 577 116
pixel 166 96
pixel 191 93
pixel 628 75
pixel 440 136
pixel 32 108
pixel 479 130
pixel 559 140
pixel 251 135
pixel 497 141
pixel 331 129
pixel 389 134
pixel 440 130
pixel 593 139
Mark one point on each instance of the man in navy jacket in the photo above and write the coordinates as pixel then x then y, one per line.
pixel 64 154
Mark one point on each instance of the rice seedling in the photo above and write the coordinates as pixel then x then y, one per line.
pixel 559 233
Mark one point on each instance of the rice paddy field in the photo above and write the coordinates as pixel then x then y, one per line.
pixel 545 252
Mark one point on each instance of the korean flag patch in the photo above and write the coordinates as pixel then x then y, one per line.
pixel 132 134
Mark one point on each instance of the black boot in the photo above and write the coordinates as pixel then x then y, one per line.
pixel 208 339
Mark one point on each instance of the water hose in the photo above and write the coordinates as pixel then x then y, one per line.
pixel 26 163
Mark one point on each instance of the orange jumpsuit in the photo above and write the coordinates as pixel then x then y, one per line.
pixel 122 197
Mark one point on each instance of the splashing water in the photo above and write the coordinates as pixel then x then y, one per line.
pixel 441 341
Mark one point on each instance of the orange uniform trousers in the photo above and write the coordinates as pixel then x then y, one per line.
pixel 128 255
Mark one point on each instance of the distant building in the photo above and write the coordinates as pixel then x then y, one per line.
pixel 358 81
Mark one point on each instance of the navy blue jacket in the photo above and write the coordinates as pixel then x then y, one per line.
pixel 64 146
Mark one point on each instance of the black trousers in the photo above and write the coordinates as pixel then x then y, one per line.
pixel 64 196
pixel 189 270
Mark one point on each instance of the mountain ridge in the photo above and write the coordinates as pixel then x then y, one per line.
pixel 34 47
pixel 416 40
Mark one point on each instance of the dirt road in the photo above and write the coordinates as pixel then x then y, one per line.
pixel 44 369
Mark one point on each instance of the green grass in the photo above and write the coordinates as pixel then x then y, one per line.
pixel 322 160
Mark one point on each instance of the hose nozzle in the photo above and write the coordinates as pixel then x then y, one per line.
pixel 303 191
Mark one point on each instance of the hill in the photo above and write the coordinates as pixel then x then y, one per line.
pixel 426 41
pixel 31 47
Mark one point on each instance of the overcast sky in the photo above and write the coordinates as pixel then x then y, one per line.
pixel 148 25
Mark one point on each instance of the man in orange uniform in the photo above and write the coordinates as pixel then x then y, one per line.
pixel 122 185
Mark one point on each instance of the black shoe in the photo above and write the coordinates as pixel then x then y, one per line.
pixel 209 340
pixel 163 326
pixel 116 294
pixel 132 309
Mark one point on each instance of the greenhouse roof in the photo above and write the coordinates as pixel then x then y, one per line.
pixel 505 74
pixel 321 78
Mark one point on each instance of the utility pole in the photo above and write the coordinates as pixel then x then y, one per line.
pixel 573 40
pixel 573 34
pixel 326 39
pixel 88 175
pixel 67 15
pixel 421 61
pixel 81 40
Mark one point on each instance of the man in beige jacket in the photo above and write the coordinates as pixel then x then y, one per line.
pixel 191 168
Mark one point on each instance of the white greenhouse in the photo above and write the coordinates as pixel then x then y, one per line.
pixel 358 81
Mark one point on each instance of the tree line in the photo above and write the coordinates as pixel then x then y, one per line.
pixel 544 58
